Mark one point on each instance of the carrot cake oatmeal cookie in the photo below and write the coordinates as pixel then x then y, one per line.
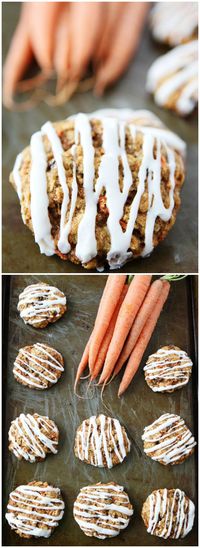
pixel 168 513
pixel 174 22
pixel 168 440
pixel 31 437
pixel 101 441
pixel 173 79
pixel 168 369
pixel 35 509
pixel 38 366
pixel 102 510
pixel 41 304
pixel 100 189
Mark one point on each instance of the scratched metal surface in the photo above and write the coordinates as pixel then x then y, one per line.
pixel 137 408
pixel 178 253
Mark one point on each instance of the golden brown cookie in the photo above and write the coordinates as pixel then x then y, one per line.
pixel 41 304
pixel 168 440
pixel 32 437
pixel 38 366
pixel 168 513
pixel 101 441
pixel 102 510
pixel 86 186
pixel 35 509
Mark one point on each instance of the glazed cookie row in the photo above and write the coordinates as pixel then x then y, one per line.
pixel 101 511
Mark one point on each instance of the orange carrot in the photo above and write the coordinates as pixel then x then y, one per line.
pixel 83 363
pixel 18 59
pixel 108 336
pixel 85 31
pixel 145 311
pixel 132 302
pixel 141 345
pixel 42 20
pixel 108 303
pixel 121 49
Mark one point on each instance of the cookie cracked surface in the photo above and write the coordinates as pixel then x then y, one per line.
pixel 109 186
pixel 35 509
pixel 102 510
pixel 101 441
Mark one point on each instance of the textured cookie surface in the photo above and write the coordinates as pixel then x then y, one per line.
pixel 168 513
pixel 38 366
pixel 173 79
pixel 31 437
pixel 41 304
pixel 35 509
pixel 174 22
pixel 168 440
pixel 98 205
pixel 102 510
pixel 101 441
pixel 168 369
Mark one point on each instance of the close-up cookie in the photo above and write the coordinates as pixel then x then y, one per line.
pixel 35 509
pixel 85 190
pixel 31 437
pixel 168 369
pixel 168 513
pixel 168 440
pixel 173 23
pixel 101 441
pixel 38 366
pixel 102 510
pixel 173 79
pixel 41 304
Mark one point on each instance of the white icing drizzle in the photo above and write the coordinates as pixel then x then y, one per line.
pixel 39 196
pixel 169 439
pixel 169 374
pixel 40 371
pixel 114 123
pixel 39 300
pixel 35 432
pixel 27 514
pixel 174 22
pixel 176 523
pixel 176 71
pixel 93 504
pixel 93 442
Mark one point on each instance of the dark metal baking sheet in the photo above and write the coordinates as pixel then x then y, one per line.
pixel 178 253
pixel 140 406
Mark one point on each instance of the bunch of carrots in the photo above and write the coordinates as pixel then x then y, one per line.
pixel 125 321
pixel 67 38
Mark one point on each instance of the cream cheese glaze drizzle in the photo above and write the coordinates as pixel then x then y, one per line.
pixel 37 370
pixel 28 513
pixel 96 441
pixel 181 24
pixel 35 432
pixel 114 123
pixel 169 439
pixel 38 300
pixel 176 523
pixel 169 374
pixel 176 71
pixel 93 504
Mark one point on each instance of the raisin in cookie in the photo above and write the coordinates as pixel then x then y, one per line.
pixel 168 513
pixel 31 437
pixel 168 440
pixel 85 189
pixel 41 304
pixel 38 366
pixel 102 510
pixel 168 369
pixel 35 509
pixel 173 79
pixel 101 441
